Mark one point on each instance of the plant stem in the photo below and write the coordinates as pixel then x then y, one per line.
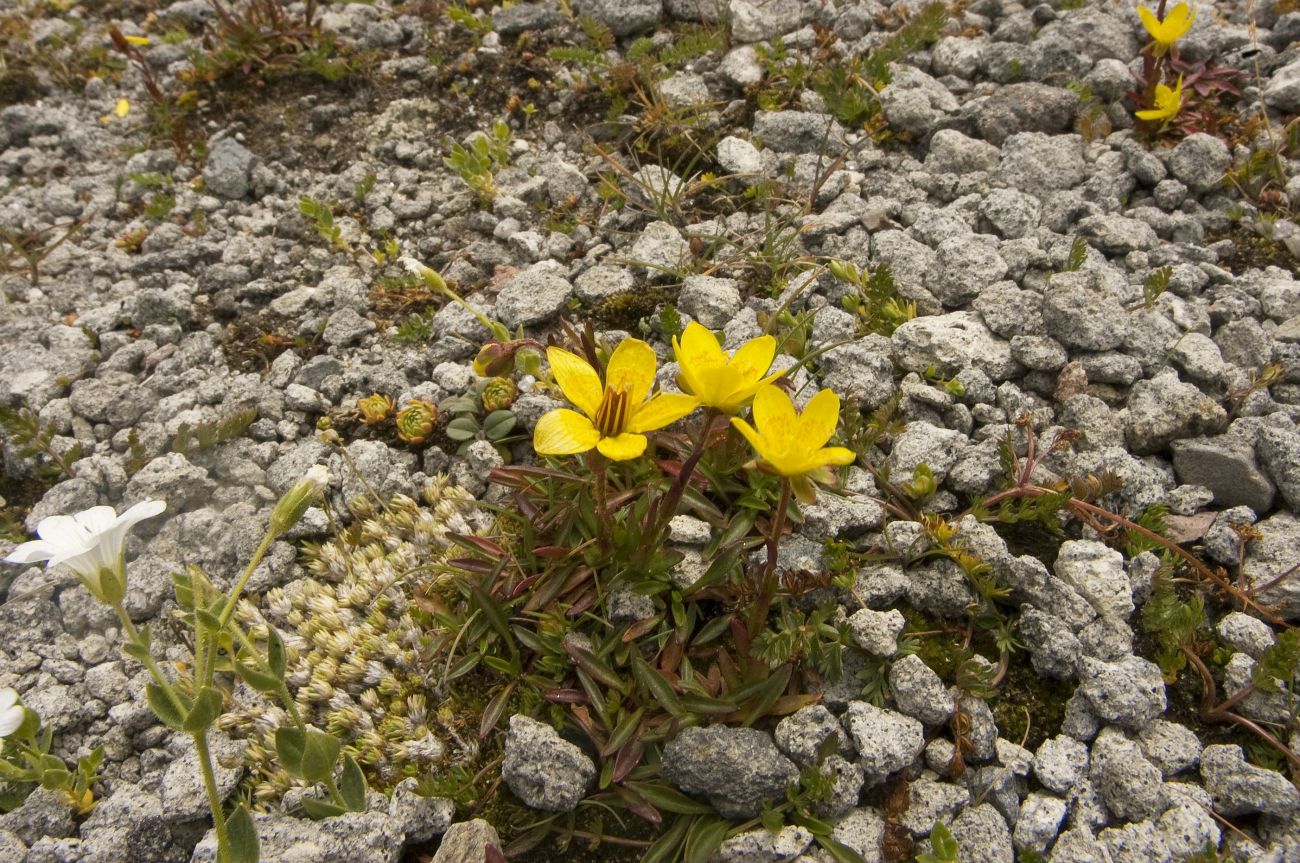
pixel 214 797
pixel 599 468
pixel 147 660
pixel 767 578
pixel 668 503
pixel 229 611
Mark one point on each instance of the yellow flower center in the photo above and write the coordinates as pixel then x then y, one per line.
pixel 615 408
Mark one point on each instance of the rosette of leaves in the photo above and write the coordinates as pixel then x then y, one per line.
pixel 416 421
pixel 375 408
pixel 472 421
pixel 499 394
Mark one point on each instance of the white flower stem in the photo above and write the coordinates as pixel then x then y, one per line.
pixel 214 797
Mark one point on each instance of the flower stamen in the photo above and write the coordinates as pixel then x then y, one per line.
pixel 612 415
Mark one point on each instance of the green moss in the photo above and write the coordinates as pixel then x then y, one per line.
pixel 1028 707
pixel 625 311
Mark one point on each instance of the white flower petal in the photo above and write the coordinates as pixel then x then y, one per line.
pixel 31 552
pixel 141 511
pixel 8 698
pixel 96 519
pixel 62 532
pixel 10 720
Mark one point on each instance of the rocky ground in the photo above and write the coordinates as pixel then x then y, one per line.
pixel 199 318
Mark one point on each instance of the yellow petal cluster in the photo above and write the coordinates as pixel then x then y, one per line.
pixel 719 381
pixel 616 413
pixel 1168 103
pixel 793 444
pixel 1175 25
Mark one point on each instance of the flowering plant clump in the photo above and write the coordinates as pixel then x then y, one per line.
pixel 1159 104
pixel 579 604
pixel 92 544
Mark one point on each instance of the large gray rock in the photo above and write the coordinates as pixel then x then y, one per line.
pixel 1165 409
pixel 760 846
pixel 542 769
pixel 964 267
pixel 466 842
pixel 711 301
pixel 1273 554
pixel 1128 783
pixel 797 131
pixel 1097 573
pixel 1226 466
pixel 951 152
pixel 623 17
pixel 1081 312
pixel 1061 763
pixel 756 20
pixel 229 169
pixel 1200 161
pixel 1283 89
pixel 1026 107
pixel 534 295
pixel 1129 692
pixel 886 741
pixel 183 795
pixel 43 813
pixel 950 343
pixel 920 692
pixel 1279 452
pixel 1239 788
pixel 1037 163
pixel 737 769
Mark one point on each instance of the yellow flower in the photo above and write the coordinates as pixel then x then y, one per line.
pixel 1175 25
pixel 794 445
pixel 138 40
pixel 719 382
pixel 122 108
pixel 618 413
pixel 1168 103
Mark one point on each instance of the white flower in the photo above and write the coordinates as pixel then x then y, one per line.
pixel 90 542
pixel 11 712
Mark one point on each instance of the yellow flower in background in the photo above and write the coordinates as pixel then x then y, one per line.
pixel 137 40
pixel 120 110
pixel 1168 103
pixel 794 445
pixel 618 412
pixel 718 381
pixel 1174 26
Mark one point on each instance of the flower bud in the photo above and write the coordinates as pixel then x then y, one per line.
pixel 295 501
pixel 430 276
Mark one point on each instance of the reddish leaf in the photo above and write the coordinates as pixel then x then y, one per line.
pixel 626 761
pixel 565 696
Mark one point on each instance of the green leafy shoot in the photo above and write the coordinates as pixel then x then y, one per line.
pixel 1278 664
pixel 206 435
pixel 1153 519
pixel 322 215
pixel 943 846
pixel 876 303
pixel 1155 285
pixel 1078 254
pixel 1173 623
pixel 31 438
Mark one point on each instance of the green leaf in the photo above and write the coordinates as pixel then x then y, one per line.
pixel 462 428
pixel 163 708
pixel 623 733
pixel 669 799
pixel 598 668
pixel 254 676
pixel 318 809
pixel 318 757
pixel 206 709
pixel 767 694
pixel 243 836
pixel 705 837
pixel 498 424
pixel 666 847
pixel 840 852
pixel 659 688
pixel 290 743
pixel 54 779
pixel 352 785
pixel 492 612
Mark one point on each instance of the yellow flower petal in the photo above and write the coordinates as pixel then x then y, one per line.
pixel 564 432
pixel 699 348
pixel 122 108
pixel 622 448
pixel 661 410
pixel 774 413
pixel 1149 21
pixel 632 367
pixel 837 455
pixel 749 433
pixel 138 40
pixel 576 377
pixel 819 418
pixel 752 359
